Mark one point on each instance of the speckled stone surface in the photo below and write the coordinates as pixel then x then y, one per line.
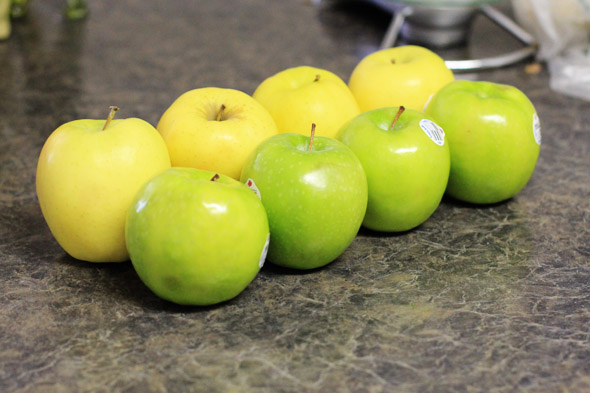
pixel 477 299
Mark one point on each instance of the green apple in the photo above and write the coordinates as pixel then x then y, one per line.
pixel 87 175
pixel 214 129
pixel 196 237
pixel 299 96
pixel 314 191
pixel 406 159
pixel 400 76
pixel 5 27
pixel 494 136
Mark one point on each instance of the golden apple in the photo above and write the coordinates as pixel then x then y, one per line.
pixel 214 129
pixel 299 96
pixel 87 176
pixel 402 76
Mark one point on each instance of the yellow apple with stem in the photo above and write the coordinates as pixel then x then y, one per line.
pixel 299 96
pixel 214 129
pixel 401 76
pixel 87 176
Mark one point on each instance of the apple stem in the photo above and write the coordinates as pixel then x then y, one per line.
pixel 215 177
pixel 113 110
pixel 220 112
pixel 392 61
pixel 317 78
pixel 311 137
pixel 399 113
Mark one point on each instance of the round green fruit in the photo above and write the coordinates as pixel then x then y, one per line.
pixel 315 195
pixel 196 237
pixel 406 159
pixel 494 137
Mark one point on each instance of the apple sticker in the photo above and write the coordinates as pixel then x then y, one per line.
pixel 250 183
pixel 264 252
pixel 433 131
pixel 537 128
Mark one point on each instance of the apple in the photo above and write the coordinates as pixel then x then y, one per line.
pixel 299 96
pixel 400 76
pixel 494 137
pixel 196 237
pixel 406 158
pixel 76 9
pixel 314 191
pixel 5 27
pixel 214 129
pixel 87 175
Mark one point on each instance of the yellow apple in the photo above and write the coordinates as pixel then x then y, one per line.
pixel 87 176
pixel 402 76
pixel 214 129
pixel 299 96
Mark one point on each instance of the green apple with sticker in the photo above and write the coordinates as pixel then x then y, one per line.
pixel 196 237
pixel 314 191
pixel 494 136
pixel 406 159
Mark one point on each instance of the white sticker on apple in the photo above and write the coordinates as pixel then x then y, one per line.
pixel 264 252
pixel 537 128
pixel 433 130
pixel 250 183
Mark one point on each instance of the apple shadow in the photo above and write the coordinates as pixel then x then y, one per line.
pixel 121 284
pixel 275 270
pixel 366 232
pixel 453 202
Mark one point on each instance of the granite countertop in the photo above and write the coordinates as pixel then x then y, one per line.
pixel 477 299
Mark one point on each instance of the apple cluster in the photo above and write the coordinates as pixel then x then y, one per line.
pixel 227 180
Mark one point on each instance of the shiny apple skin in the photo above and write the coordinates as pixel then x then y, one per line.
pixel 491 131
pixel 315 200
pixel 407 172
pixel 194 240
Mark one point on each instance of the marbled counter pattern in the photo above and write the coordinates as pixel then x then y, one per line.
pixel 478 299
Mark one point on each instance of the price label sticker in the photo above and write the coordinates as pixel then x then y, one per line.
pixel 250 183
pixel 537 128
pixel 264 252
pixel 433 131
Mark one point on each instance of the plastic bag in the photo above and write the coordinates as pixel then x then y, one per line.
pixel 562 29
